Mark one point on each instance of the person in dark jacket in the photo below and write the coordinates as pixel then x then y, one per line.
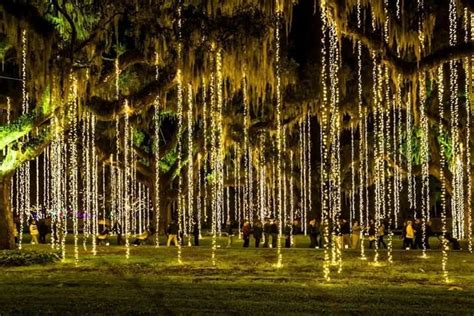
pixel 172 232
pixel 418 234
pixel 313 233
pixel 372 233
pixel 288 230
pixel 246 233
pixel 196 232
pixel 257 233
pixel 380 235
pixel 230 234
pixel 274 232
pixel 267 229
pixel 428 234
pixel 117 229
pixel 43 230
pixel 346 233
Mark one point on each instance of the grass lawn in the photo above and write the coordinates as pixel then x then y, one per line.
pixel 244 281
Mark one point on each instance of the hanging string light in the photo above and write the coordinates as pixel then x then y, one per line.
pixel 291 193
pixel 213 166
pixel 352 193
pixel 325 216
pixel 457 200
pixel 388 147
pixel 309 173
pixel 442 163
pixel 156 191
pixel 262 175
pixel 190 172
pixel 247 154
pixel 94 186
pixel 362 127
pixel 23 173
pixel 179 77
pixel 73 165
pixel 302 154
pixel 278 108
pixel 220 140
pixel 238 196
pixel 469 71
pixel 126 178
pixel 399 144
pixel 425 175
pixel 205 145
pixel 378 148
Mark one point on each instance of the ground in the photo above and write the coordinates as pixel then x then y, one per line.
pixel 243 281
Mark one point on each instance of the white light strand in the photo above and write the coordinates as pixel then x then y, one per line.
pixel 442 132
pixel 190 172
pixel 279 102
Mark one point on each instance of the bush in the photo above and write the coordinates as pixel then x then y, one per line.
pixel 12 258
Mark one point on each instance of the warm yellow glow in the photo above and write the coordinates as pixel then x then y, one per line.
pixel 444 241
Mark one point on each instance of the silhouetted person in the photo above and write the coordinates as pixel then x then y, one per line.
pixel 246 234
pixel 372 232
pixel 43 230
pixel 267 230
pixel 257 233
pixel 418 227
pixel 288 230
pixel 196 233
pixel 230 234
pixel 380 235
pixel 117 229
pixel 346 233
pixel 172 232
pixel 428 234
pixel 274 232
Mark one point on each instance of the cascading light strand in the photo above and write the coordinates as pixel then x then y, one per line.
pixel 457 200
pixel 190 173
pixel 425 175
pixel 156 187
pixel 279 102
pixel 325 216
pixel 442 163
pixel 179 77
pixel 73 165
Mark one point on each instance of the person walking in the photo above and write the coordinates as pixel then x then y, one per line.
pixel 372 232
pixel 288 230
pixel 246 233
pixel 274 232
pixel 346 233
pixel 196 233
pixel 257 233
pixel 230 234
pixel 356 230
pixel 418 227
pixel 428 234
pixel 409 235
pixel 172 232
pixel 34 232
pixel 313 233
pixel 267 229
pixel 43 230
pixel 380 235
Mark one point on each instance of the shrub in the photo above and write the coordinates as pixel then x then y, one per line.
pixel 11 258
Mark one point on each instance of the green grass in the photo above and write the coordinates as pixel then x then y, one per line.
pixel 244 281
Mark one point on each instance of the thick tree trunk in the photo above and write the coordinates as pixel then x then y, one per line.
pixel 7 231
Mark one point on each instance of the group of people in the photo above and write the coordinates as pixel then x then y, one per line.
pixel 350 237
pixel 38 229
pixel 267 231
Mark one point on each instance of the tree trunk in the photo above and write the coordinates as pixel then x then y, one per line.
pixel 7 231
